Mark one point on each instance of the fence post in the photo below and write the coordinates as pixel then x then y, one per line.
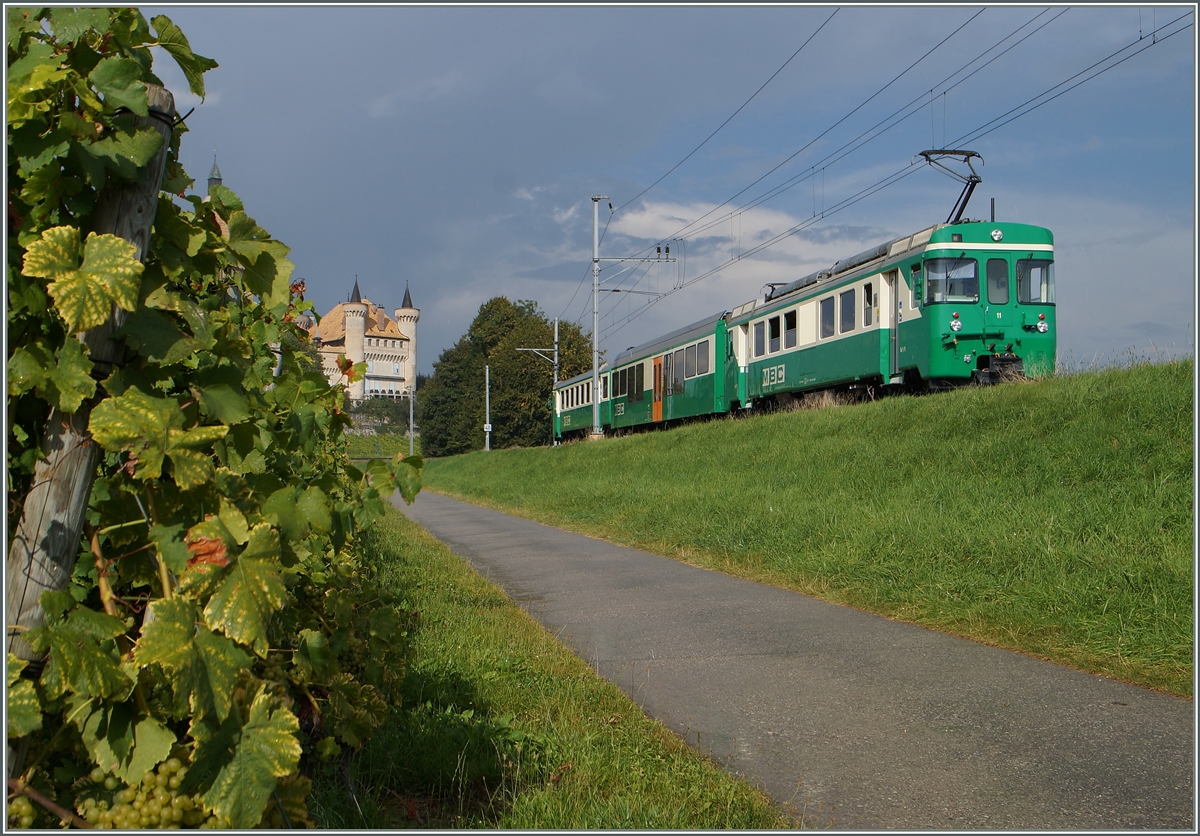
pixel 46 543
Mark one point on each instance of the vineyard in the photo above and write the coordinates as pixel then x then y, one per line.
pixel 191 625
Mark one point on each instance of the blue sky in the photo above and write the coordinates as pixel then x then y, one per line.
pixel 457 149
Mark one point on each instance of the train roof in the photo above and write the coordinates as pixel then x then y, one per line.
pixel 868 259
pixel 579 378
pixel 685 334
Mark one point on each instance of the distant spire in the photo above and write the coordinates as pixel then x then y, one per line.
pixel 407 303
pixel 214 176
pixel 355 296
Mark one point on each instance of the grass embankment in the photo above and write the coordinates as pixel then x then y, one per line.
pixel 501 726
pixel 1051 517
pixel 380 446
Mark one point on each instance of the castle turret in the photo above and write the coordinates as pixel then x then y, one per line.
pixel 406 318
pixel 356 330
pixel 214 176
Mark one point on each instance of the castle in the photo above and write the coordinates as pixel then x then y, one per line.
pixel 363 332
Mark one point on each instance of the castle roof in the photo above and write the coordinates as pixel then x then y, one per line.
pixel 407 303
pixel 332 328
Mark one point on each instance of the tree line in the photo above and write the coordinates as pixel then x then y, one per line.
pixel 451 407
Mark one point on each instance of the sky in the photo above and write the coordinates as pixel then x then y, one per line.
pixel 456 151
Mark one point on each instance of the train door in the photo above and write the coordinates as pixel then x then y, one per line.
pixel 656 408
pixel 894 303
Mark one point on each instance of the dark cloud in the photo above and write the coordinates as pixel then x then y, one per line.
pixel 456 149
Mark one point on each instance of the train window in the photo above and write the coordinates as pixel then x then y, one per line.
pixel 689 355
pixel 997 281
pixel 827 317
pixel 789 329
pixel 639 384
pixel 951 280
pixel 702 357
pixel 1035 281
pixel 914 287
pixel 868 309
pixel 847 309
pixel 677 378
pixel 604 388
pixel 773 327
pixel 760 339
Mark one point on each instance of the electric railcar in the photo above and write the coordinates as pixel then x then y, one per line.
pixel 962 302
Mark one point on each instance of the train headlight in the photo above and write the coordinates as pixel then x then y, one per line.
pixel 956 323
pixel 1042 325
pixel 997 235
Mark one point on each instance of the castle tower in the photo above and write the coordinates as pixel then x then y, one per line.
pixel 214 176
pixel 356 330
pixel 406 318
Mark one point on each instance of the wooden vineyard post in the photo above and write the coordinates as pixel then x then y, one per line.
pixel 47 540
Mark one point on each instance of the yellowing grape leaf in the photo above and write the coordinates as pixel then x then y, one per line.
pixel 84 293
pixel 251 592
pixel 204 666
pixel 24 710
pixel 81 658
pixel 266 750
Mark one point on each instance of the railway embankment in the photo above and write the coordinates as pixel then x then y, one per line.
pixel 1052 517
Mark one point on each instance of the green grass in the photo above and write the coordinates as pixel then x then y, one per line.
pixel 383 446
pixel 501 726
pixel 1053 517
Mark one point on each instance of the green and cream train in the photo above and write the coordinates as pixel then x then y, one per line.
pixel 956 303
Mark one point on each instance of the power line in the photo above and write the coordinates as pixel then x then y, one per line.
pixel 829 159
pixel 863 104
pixel 735 113
pixel 912 167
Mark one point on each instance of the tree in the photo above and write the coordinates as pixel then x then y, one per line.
pixel 451 408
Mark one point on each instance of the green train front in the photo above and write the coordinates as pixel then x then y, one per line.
pixel 955 303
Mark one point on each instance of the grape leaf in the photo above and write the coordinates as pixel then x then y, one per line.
pixel 27 369
pixel 119 81
pixel 251 591
pixel 315 507
pixel 85 293
pixel 293 792
pixel 78 662
pixel 313 656
pixel 281 509
pixel 191 469
pixel 137 422
pixel 126 152
pixel 171 548
pixel 55 255
pixel 205 665
pixel 72 377
pixel 71 24
pixel 171 38
pixel 24 710
pixel 266 750
pixel 152 745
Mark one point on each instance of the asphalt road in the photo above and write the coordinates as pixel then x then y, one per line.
pixel 860 722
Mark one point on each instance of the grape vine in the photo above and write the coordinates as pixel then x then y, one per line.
pixel 219 627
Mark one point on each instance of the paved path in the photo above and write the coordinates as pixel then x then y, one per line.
pixel 865 722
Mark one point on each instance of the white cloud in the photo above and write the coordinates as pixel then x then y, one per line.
pixel 426 90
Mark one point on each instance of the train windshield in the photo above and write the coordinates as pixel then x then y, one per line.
pixel 951 280
pixel 1035 281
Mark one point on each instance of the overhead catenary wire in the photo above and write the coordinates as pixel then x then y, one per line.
pixel 731 116
pixel 982 130
pixel 860 106
pixel 830 159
